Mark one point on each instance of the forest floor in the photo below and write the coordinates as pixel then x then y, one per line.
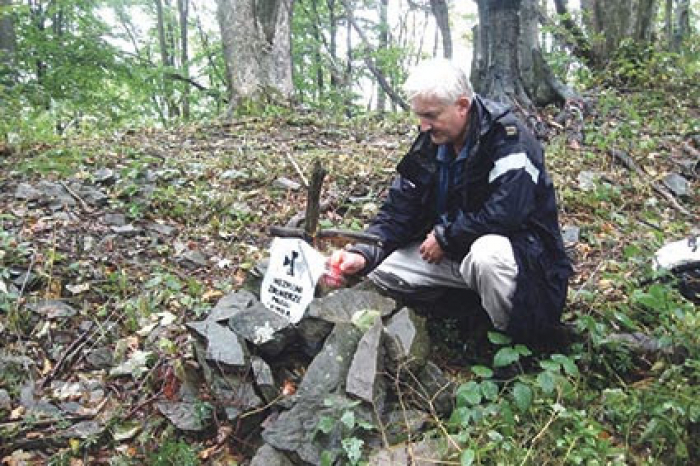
pixel 109 244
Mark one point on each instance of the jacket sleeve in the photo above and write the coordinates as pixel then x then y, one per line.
pixel 396 223
pixel 511 183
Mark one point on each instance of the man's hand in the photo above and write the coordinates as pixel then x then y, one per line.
pixel 348 263
pixel 430 250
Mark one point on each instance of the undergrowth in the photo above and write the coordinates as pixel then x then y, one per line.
pixel 598 401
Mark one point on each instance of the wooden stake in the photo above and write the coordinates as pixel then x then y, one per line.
pixel 313 199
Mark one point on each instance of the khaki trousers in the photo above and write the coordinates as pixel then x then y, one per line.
pixel 489 269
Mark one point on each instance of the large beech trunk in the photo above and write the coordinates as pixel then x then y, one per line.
pixel 256 40
pixel 508 65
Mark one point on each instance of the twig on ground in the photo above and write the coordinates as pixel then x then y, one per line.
pixel 73 348
pixel 294 163
pixel 630 164
pixel 75 196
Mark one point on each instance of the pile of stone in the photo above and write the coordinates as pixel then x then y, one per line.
pixel 353 376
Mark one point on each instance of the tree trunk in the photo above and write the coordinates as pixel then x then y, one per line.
pixel 256 40
pixel 215 75
pixel 8 43
pixel 376 72
pixel 609 22
pixel 481 38
pixel 165 58
pixel 440 11
pixel 333 40
pixel 682 28
pixel 183 12
pixel 383 45
pixel 577 42
pixel 646 21
pixel 508 65
pixel 668 22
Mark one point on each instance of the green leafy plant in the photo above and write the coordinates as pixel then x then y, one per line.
pixel 343 420
pixel 174 453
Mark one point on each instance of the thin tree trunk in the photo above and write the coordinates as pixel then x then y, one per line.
pixel 318 37
pixel 348 67
pixel 8 44
pixel 646 24
pixel 333 33
pixel 383 45
pixel 213 71
pixel 183 10
pixel 440 11
pixel 376 72
pixel 682 28
pixel 578 43
pixel 165 58
pixel 668 22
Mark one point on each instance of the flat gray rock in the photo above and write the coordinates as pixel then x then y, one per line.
pixel 329 369
pixel 266 329
pixel 27 192
pixel 340 305
pixel 114 219
pixel 53 309
pixel 83 430
pixel 264 379
pixel 269 456
pixel 161 229
pixel 407 340
pixel 677 184
pixel 365 378
pixel 104 176
pixel 570 233
pixel 432 384
pixel 223 345
pixel 186 416
pixel 231 304
pixel 424 453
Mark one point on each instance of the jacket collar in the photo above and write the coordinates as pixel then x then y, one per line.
pixel 483 113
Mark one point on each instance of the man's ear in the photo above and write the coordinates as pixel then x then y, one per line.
pixel 463 103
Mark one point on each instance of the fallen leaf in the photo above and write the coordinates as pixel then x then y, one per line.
pixel 74 445
pixel 211 295
pixel 17 413
pixel 77 289
pixel 17 458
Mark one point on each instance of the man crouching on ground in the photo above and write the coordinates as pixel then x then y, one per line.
pixel 472 207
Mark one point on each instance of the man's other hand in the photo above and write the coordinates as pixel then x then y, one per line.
pixel 430 250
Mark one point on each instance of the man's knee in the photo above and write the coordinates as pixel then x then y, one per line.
pixel 489 251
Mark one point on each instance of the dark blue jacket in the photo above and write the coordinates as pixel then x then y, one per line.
pixel 500 187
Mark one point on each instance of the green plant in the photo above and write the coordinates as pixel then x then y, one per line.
pixel 173 453
pixel 341 419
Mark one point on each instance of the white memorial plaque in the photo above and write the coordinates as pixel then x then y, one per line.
pixel 290 281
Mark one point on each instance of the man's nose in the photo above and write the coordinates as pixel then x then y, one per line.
pixel 425 125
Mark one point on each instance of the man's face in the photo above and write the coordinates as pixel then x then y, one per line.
pixel 447 123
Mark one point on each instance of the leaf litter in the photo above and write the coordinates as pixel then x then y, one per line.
pixel 100 270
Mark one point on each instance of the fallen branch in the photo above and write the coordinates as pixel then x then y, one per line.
pixel 692 151
pixel 69 353
pixel 630 164
pixel 75 196
pixel 294 163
